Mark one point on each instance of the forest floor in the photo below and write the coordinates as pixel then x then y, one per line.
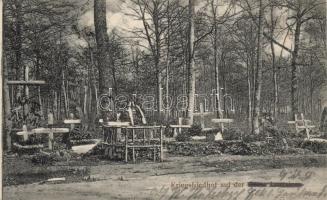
pixel 208 177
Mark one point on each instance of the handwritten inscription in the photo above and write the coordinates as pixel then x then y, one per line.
pixel 235 193
pixel 296 174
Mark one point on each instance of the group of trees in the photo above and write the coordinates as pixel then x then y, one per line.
pixel 267 55
pixel 271 43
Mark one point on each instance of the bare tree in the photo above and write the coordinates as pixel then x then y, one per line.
pixel 102 45
pixel 258 80
pixel 191 63
pixel 152 14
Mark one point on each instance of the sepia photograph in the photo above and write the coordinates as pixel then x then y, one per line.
pixel 163 99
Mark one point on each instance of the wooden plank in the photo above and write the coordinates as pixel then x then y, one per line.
pixel 50 130
pixel 35 146
pixel 207 129
pixel 116 124
pixel 72 121
pixel 144 146
pixel 222 120
pixel 36 82
pixel 180 126
pixel 142 127
pixel 304 127
pixel 161 145
pixel 293 122
pixel 203 114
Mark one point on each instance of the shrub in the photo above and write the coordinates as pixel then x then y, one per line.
pixel 315 146
pixel 232 134
pixel 195 130
pixel 183 137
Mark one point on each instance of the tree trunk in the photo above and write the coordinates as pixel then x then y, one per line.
pixel 18 41
pixel 191 64
pixel 216 63
pixel 323 116
pixel 294 83
pixel 65 95
pixel 93 92
pixel 249 94
pixel 7 107
pixel 275 102
pixel 157 57
pixel 258 82
pixel 168 61
pixel 102 45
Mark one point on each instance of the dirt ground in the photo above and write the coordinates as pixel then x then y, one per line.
pixel 209 177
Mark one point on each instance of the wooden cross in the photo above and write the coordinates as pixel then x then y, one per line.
pixel 72 122
pixel 50 132
pixel 25 133
pixel 301 124
pixel 202 114
pixel 222 122
pixel 178 127
pixel 26 83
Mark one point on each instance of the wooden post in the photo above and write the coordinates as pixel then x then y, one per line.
pixel 133 149
pixel 55 104
pixel 50 119
pixel 50 140
pixel 201 116
pixel 133 135
pixel 85 100
pixel 126 146
pixel 67 82
pixel 154 153
pixel 50 124
pixel 130 113
pixel 180 122
pixel 154 150
pixel 305 124
pixel 26 79
pixel 25 135
pixel 296 126
pixel 161 147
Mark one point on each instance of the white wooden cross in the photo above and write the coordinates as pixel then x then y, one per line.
pixel 222 122
pixel 178 127
pixel 72 121
pixel 301 124
pixel 25 133
pixel 49 131
pixel 26 83
pixel 202 114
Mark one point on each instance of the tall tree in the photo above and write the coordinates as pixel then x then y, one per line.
pixel 273 22
pixel 152 14
pixel 191 63
pixel 258 80
pixel 101 36
pixel 214 11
